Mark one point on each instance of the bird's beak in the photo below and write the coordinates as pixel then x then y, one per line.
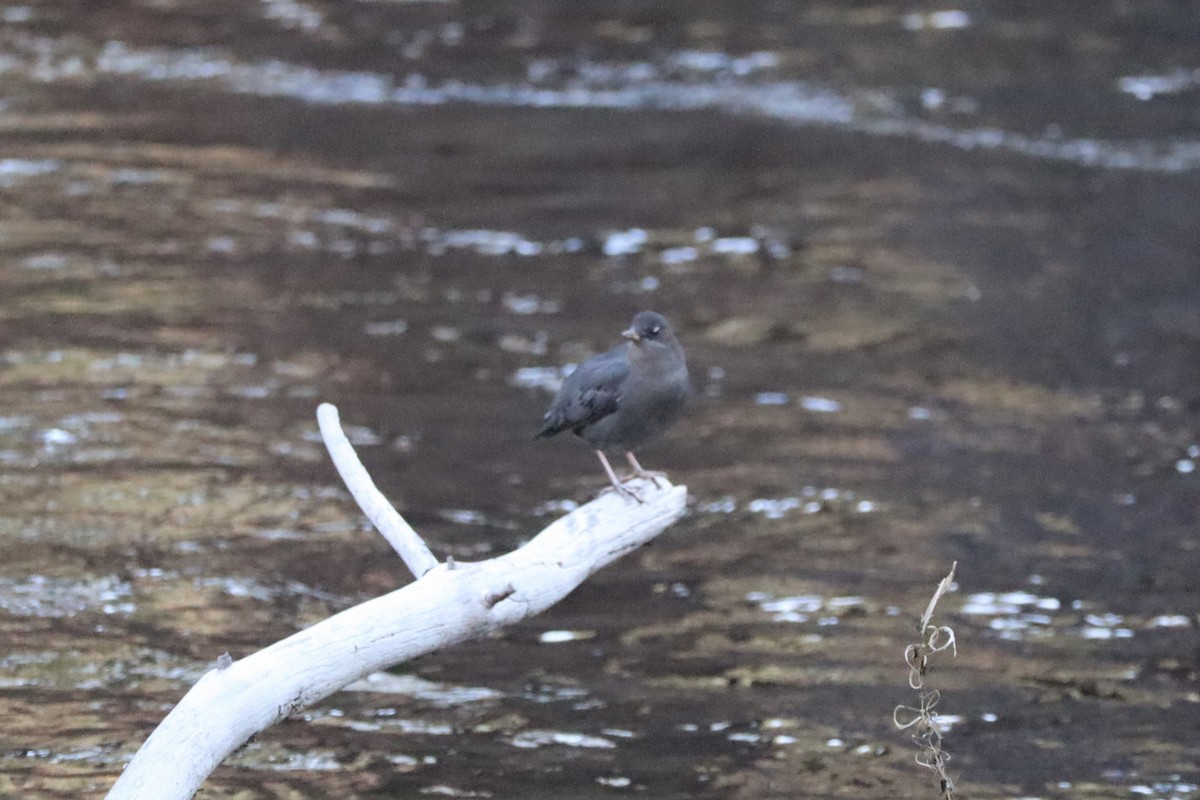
pixel 631 335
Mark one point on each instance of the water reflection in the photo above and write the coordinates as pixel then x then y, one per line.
pixel 928 318
pixel 805 607
pixel 1021 615
pixel 811 500
pixel 42 596
pixel 677 82
pixel 439 694
pixel 534 739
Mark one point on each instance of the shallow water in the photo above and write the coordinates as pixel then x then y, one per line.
pixel 935 269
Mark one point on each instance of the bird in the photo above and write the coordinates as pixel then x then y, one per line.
pixel 625 398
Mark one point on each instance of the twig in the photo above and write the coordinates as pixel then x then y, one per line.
pixel 923 719
pixel 399 534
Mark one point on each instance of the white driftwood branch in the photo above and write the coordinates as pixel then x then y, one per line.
pixel 445 605
pixel 383 515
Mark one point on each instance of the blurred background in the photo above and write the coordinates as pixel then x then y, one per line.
pixel 936 269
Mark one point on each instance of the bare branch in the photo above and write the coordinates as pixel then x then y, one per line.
pixel 445 605
pixel 399 534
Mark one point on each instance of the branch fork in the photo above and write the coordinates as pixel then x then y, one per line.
pixel 449 602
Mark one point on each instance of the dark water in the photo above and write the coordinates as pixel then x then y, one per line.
pixel 936 268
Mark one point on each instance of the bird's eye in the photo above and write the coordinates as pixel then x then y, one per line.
pixel 654 331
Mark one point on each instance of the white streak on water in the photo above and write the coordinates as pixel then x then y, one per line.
pixel 952 19
pixel 14 170
pixel 771 399
pixel 548 378
pixel 820 405
pixel 1147 87
pixel 561 636
pixel 50 597
pixel 441 694
pixel 291 14
pixel 625 243
pixel 541 738
pixel 735 245
pixel 609 86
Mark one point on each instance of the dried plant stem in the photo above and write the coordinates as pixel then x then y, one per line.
pixel 922 719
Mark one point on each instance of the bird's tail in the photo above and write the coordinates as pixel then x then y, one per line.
pixel 551 426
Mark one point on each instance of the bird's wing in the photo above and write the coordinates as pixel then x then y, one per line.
pixel 589 394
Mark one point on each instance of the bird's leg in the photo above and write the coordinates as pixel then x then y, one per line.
pixel 638 472
pixel 612 476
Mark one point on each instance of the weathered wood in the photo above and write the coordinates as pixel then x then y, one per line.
pixel 448 603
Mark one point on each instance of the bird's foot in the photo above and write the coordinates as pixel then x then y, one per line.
pixel 627 491
pixel 645 474
pixel 649 475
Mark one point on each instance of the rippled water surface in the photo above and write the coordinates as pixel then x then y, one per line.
pixel 937 268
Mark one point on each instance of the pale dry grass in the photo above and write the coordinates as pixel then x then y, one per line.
pixel 922 719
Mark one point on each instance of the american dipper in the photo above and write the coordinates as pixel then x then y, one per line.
pixel 620 400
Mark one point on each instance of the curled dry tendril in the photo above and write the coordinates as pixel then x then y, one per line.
pixel 922 719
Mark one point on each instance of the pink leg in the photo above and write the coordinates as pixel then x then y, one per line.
pixel 653 477
pixel 616 482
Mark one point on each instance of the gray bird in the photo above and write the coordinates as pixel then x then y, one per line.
pixel 620 400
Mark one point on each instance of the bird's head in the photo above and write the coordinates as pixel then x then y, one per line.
pixel 649 328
